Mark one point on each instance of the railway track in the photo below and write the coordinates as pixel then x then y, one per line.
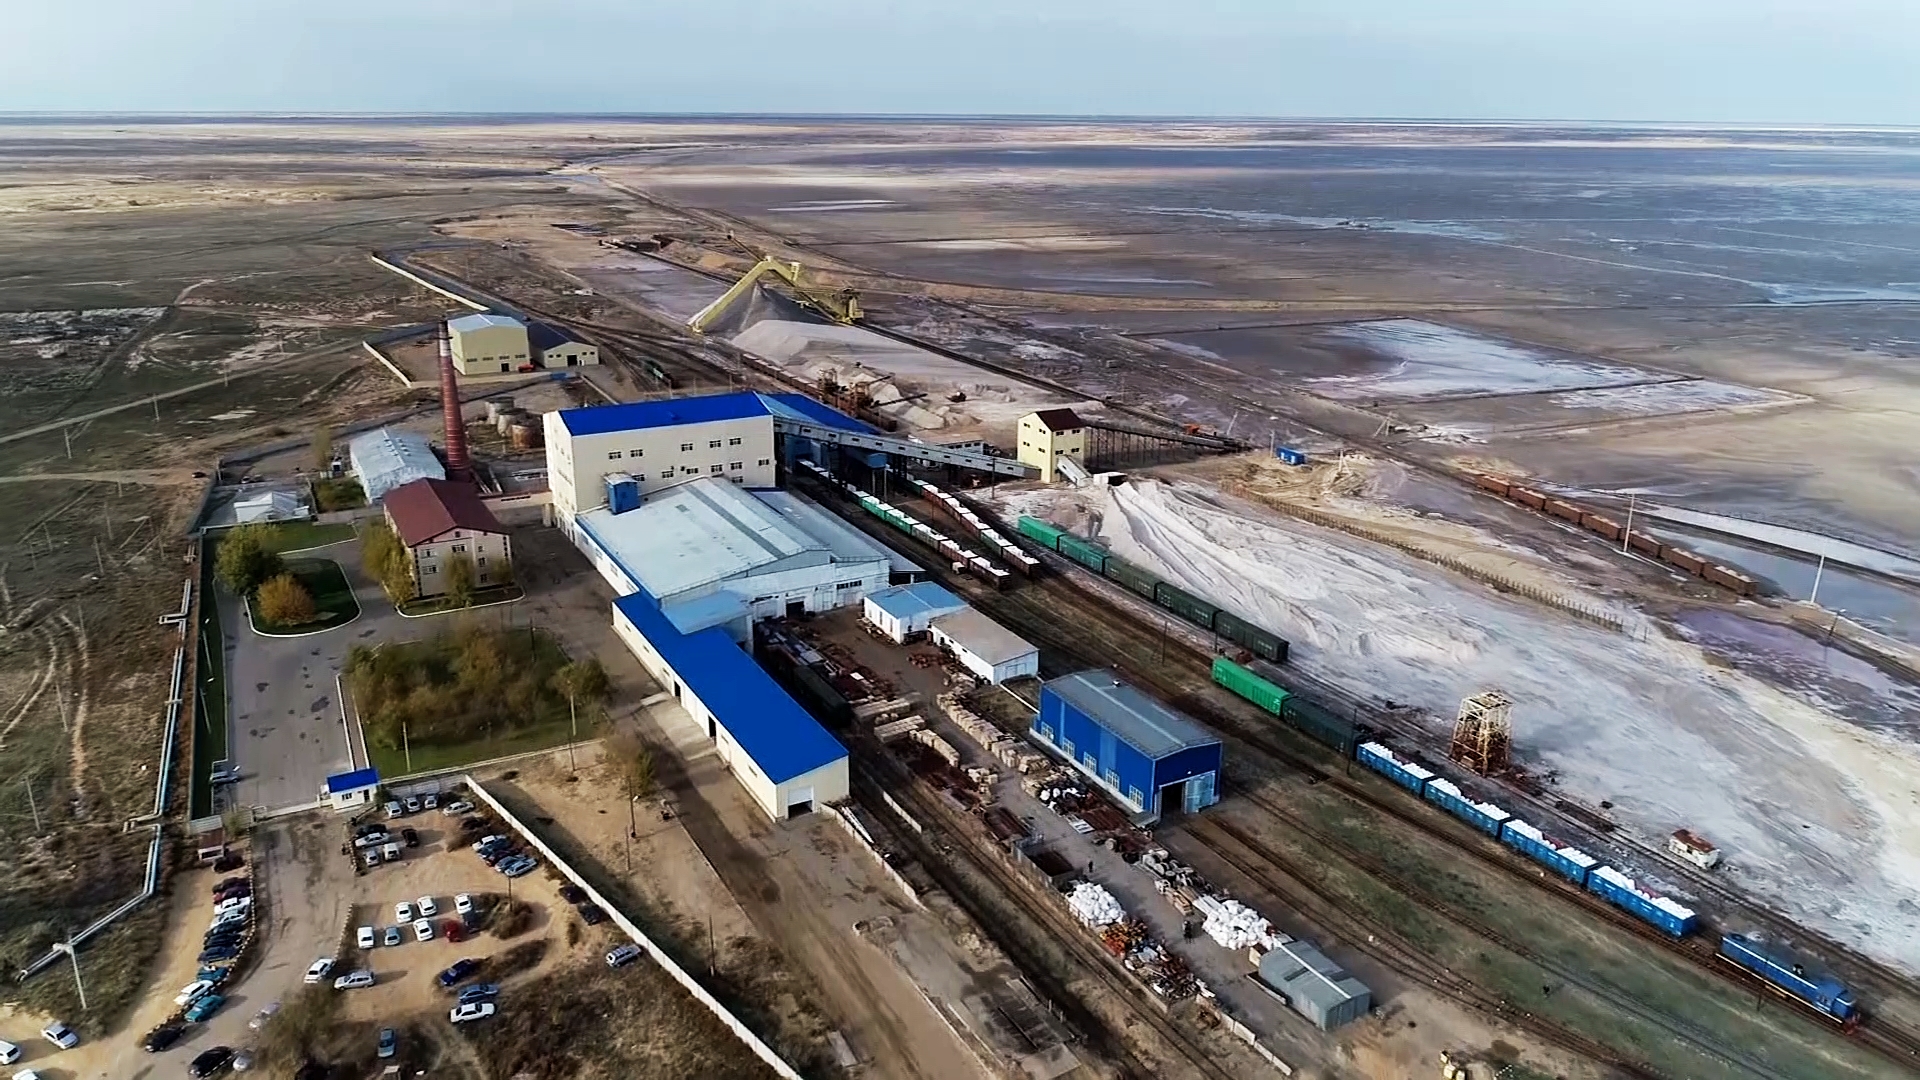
pixel 878 772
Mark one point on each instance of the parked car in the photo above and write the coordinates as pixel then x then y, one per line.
pixel 211 1061
pixel 372 839
pixel 479 992
pixel 473 824
pixel 459 969
pixel 411 836
pixel 214 975
pixel 192 991
pixel 573 894
pixel 519 865
pixel 233 903
pixel 389 1044
pixel 427 907
pixel 430 801
pixel 9 1053
pixel 318 970
pixel 160 1038
pixel 363 937
pixel 206 1006
pixel 354 980
pixel 413 805
pixel 28 1074
pixel 228 862
pixel 394 809
pixel 213 954
pixel 242 1059
pixel 403 911
pixel 624 955
pixel 592 915
pixel 454 929
pixel 473 1010
pixel 455 809
pixel 390 851
pixel 423 929
pixel 371 856
pixel 392 936
pixel 266 1014
pixel 226 887
pixel 462 904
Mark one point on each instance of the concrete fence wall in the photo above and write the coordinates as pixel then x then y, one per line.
pixel 740 1031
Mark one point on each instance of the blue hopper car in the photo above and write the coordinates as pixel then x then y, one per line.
pixel 1483 816
pixel 1408 774
pixel 1676 919
pixel 1570 863
pixel 1822 992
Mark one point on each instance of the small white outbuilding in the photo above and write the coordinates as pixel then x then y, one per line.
pixel 984 647
pixel 907 611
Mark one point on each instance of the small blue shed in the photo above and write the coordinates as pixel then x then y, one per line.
pixel 1128 743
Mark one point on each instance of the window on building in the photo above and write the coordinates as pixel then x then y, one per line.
pixel 854 584
pixel 636 453
pixel 689 470
pixel 481 561
pixel 733 442
pixel 1066 745
pixel 1092 765
pixel 459 547
pixel 715 468
pixel 1112 778
pixel 1046 732
pixel 613 455
pixel 430 568
pixel 766 461
pixel 640 476
pixel 1134 794
pixel 735 466
pixel 713 444
pixel 685 446
pixel 737 479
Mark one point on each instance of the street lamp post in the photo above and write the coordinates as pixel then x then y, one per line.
pixel 74 955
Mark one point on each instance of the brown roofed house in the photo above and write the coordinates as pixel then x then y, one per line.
pixel 438 520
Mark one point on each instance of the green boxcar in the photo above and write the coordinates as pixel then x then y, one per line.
pixel 1131 576
pixel 1186 605
pixel 1250 686
pixel 1261 643
pixel 1087 555
pixel 1320 725
pixel 1048 534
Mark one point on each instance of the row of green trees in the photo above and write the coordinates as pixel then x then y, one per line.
pixel 387 561
pixel 475 682
pixel 249 564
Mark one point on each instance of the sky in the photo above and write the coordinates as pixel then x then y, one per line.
pixel 1707 61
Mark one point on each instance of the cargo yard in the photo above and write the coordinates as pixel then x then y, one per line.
pixel 1120 654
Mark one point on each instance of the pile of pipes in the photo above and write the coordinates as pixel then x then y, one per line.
pixel 1163 973
pixel 1094 906
pixel 1236 926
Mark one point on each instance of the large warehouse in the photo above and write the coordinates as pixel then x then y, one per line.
pixel 1129 744
pixel 781 755
pixel 389 457
pixel 713 554
pixel 669 442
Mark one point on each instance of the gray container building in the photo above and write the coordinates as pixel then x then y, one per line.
pixel 1314 986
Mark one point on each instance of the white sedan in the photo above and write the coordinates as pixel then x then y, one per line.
pixel 463 904
pixel 318 970
pixel 192 991
pixel 472 1010
pixel 363 937
pixel 354 980
pixel 403 912
pixel 428 909
pixel 423 929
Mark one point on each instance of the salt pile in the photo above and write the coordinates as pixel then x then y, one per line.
pixel 1093 905
pixel 1236 926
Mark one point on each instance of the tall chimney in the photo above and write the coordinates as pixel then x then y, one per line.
pixel 458 465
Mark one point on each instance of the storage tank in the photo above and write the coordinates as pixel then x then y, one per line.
pixel 525 433
pixel 503 421
pixel 496 406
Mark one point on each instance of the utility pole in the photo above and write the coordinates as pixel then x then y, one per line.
pixel 60 695
pixel 1625 536
pixel 74 955
pixel 406 747
pixel 31 805
pixel 573 732
pixel 1814 597
pixel 67 434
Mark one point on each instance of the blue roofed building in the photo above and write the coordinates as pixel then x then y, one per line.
pixel 1142 752
pixel 787 762
pixel 349 791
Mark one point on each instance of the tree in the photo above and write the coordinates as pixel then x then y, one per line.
pixel 583 680
pixel 462 576
pixel 283 601
pixel 323 448
pixel 387 561
pixel 247 558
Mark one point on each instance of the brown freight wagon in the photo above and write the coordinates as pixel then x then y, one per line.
pixel 1684 559
pixel 1603 525
pixel 1565 511
pixel 1527 498
pixel 1644 544
pixel 1496 484
pixel 1729 579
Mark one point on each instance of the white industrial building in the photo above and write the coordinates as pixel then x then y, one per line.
pixel 990 651
pixel 551 348
pixel 389 457
pixel 904 612
pixel 487 344
pixel 713 554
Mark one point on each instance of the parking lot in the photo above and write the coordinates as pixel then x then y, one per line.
pixel 309 903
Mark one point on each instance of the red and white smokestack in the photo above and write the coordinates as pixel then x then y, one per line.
pixel 459 466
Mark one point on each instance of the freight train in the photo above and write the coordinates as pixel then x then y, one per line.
pixel 1822 993
pixel 1195 609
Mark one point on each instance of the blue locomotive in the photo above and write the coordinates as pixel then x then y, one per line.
pixel 1823 993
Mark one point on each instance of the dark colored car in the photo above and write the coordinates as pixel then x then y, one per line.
pixel 161 1038
pixel 592 915
pixel 460 970
pixel 472 824
pixel 232 886
pixel 210 1061
pixel 573 894
pixel 228 862
pixel 411 836
pixel 219 952
pixel 389 1043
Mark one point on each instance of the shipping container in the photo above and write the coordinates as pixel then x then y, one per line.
pixel 1565 511
pixel 1618 888
pixel 1823 992
pixel 1261 643
pixel 1321 725
pixel 1048 534
pixel 1289 456
pixel 1570 863
pixel 1132 577
pixel 1186 605
pixel 1496 484
pixel 1408 774
pixel 1605 526
pixel 1248 685
pixel 1483 816
pixel 1644 544
pixel 1080 551
pixel 1684 559
pixel 1527 498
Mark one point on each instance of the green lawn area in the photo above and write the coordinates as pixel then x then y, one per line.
pixel 210 703
pixel 440 604
pixel 300 535
pixel 429 757
pixel 333 602
pixel 344 493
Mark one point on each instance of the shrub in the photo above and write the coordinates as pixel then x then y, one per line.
pixel 283 601
pixel 462 577
pixel 510 918
pixel 247 558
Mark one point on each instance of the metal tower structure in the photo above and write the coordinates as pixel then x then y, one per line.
pixel 1483 733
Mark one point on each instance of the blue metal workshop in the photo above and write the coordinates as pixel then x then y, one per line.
pixel 1130 744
